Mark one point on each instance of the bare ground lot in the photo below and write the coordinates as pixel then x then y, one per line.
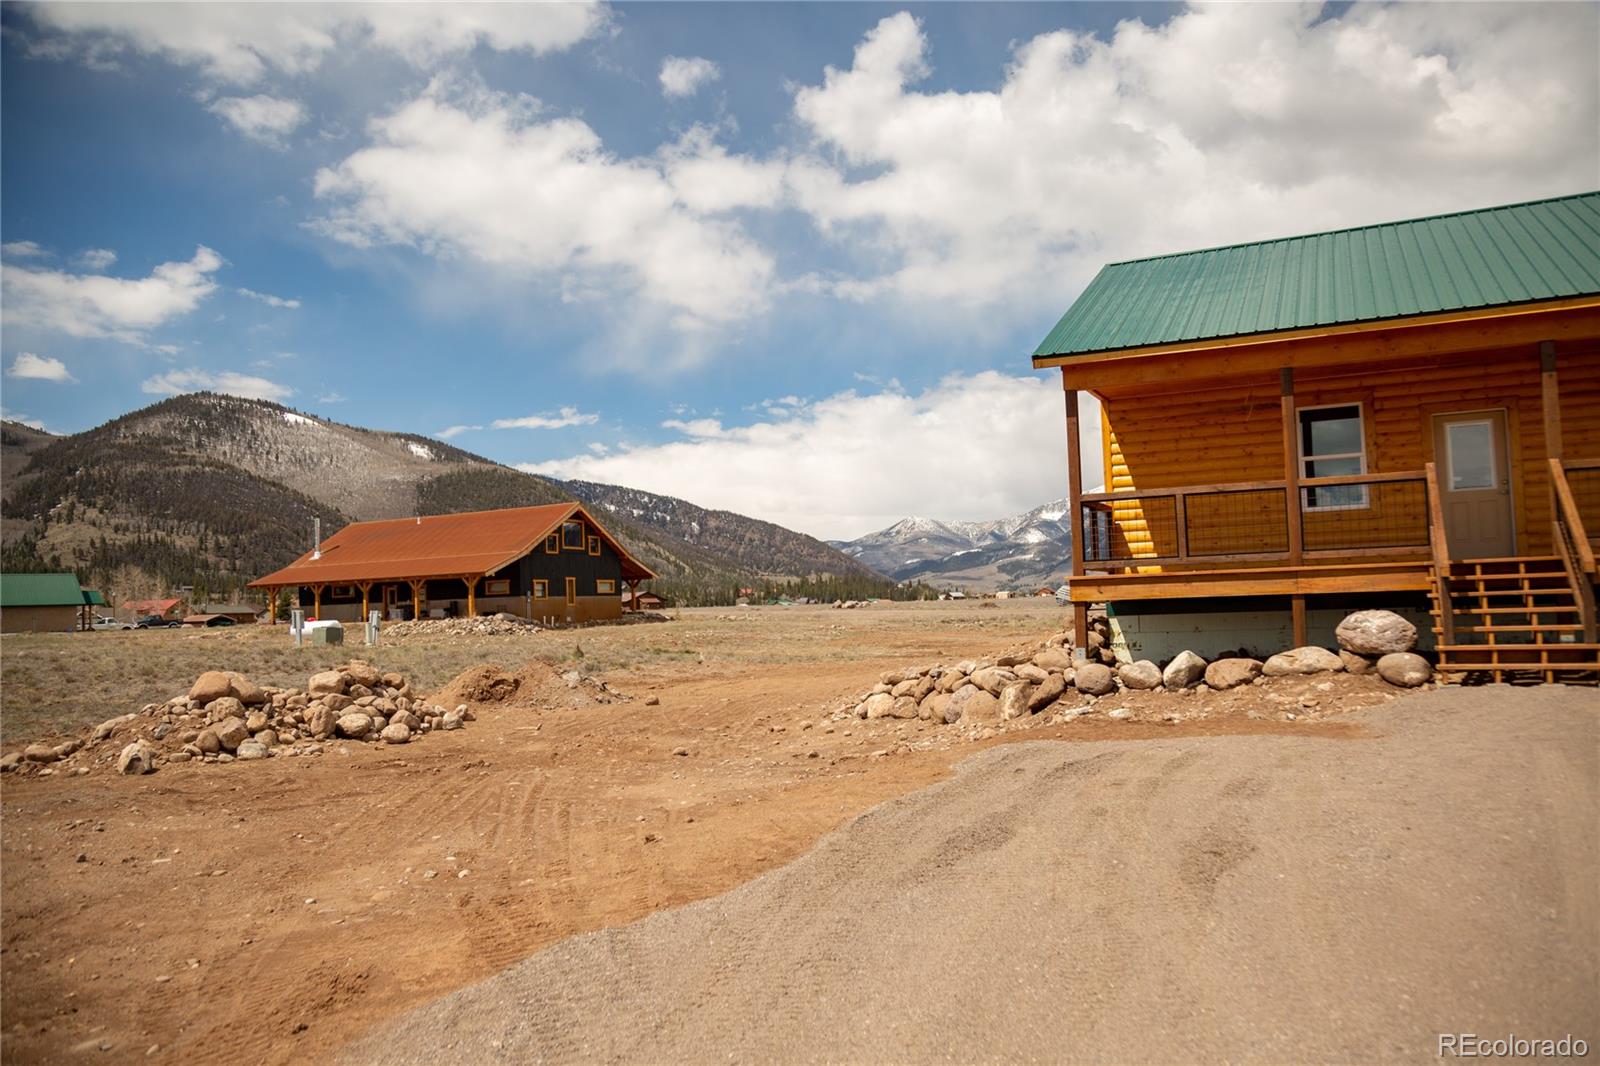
pixel 271 912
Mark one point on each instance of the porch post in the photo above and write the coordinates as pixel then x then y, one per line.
pixel 1550 399
pixel 366 589
pixel 1291 494
pixel 472 596
pixel 416 596
pixel 272 606
pixel 316 600
pixel 1080 611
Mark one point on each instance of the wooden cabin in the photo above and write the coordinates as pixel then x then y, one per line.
pixel 553 563
pixel 1403 415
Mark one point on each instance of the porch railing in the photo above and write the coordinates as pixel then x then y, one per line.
pixel 1583 481
pixel 1248 522
pixel 1572 546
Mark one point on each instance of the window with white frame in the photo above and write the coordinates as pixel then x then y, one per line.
pixel 1333 443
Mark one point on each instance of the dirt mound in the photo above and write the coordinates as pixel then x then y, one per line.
pixel 535 684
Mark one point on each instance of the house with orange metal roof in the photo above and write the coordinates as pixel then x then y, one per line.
pixel 553 563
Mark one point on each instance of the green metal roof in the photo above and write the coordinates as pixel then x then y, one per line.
pixel 40 590
pixel 93 598
pixel 1543 250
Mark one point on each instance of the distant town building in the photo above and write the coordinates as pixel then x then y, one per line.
pixel 45 603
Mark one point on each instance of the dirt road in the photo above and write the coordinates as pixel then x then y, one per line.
pixel 1247 898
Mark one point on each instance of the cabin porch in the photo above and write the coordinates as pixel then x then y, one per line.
pixel 1296 543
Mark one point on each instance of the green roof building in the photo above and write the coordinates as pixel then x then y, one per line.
pixel 43 603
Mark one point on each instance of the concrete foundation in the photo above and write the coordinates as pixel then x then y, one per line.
pixel 1256 627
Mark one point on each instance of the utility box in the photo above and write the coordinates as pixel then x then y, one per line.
pixel 326 633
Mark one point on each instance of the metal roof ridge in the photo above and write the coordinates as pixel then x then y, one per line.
pixel 1391 224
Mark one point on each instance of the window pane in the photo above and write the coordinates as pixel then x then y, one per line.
pixel 1471 447
pixel 1331 430
pixel 1333 467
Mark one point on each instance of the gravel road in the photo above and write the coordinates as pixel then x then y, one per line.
pixel 1249 899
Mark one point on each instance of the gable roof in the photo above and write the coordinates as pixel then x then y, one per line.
pixel 450 545
pixel 150 606
pixel 1519 253
pixel 41 590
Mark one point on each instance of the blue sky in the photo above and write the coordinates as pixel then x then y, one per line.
pixel 787 259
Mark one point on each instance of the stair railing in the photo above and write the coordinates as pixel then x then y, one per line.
pixel 1572 544
pixel 1439 542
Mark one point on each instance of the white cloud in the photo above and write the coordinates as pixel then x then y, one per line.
pixel 27 420
pixel 567 416
pixel 174 382
pixel 455 431
pixel 268 119
pixel 683 76
pixel 96 259
pixel 331 397
pixel 240 44
pixel 96 305
pixel 971 447
pixel 39 368
pixel 481 176
pixel 1229 122
pixel 269 299
pixel 21 250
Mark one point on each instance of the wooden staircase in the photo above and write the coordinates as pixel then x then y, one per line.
pixel 1514 619
pixel 1523 618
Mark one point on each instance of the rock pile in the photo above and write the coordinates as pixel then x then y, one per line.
pixel 849 605
pixel 226 717
pixel 1044 679
pixel 489 625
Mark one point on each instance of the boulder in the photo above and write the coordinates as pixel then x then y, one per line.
pixel 246 691
pixel 1054 659
pixel 395 733
pixel 1231 673
pixel 1307 660
pixel 1049 690
pixel 1030 672
pixel 39 753
pixel 1095 679
pixel 320 721
pixel 1355 664
pixel 10 761
pixel 361 673
pixel 903 688
pixel 137 758
pixel 904 707
pixel 255 721
pixel 337 701
pixel 328 681
pixel 230 732
pixel 877 705
pixel 932 708
pixel 1376 633
pixel 1014 700
pixel 207 742
pixel 354 724
pixel 251 749
pixel 1405 668
pixel 453 720
pixel 225 707
pixel 972 705
pixel 924 686
pixel 1184 671
pixel 1143 674
pixel 110 725
pixel 409 720
pixel 211 685
pixel 993 679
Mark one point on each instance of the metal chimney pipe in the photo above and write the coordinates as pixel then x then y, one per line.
pixel 316 538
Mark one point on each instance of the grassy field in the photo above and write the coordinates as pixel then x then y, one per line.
pixel 56 682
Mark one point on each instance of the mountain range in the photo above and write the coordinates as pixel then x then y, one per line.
pixel 1025 551
pixel 211 490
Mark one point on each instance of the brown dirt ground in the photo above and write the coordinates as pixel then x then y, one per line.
pixel 270 912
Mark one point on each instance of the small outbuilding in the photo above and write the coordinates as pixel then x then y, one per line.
pixel 43 603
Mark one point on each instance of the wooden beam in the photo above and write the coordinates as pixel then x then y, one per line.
pixel 366 590
pixel 1550 399
pixel 416 596
pixel 272 606
pixel 1291 495
pixel 472 595
pixel 1265 581
pixel 1080 611
pixel 316 600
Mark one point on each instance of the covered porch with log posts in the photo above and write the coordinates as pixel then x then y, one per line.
pixel 1380 530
